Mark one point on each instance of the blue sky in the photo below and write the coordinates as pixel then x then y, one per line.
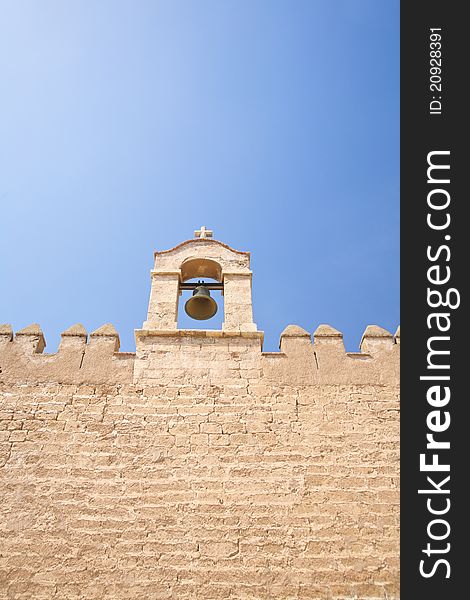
pixel 125 125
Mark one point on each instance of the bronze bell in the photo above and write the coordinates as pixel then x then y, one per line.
pixel 201 306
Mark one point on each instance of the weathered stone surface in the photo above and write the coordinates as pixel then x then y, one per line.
pixel 31 339
pixel 374 331
pixel 76 331
pixel 107 330
pixel 33 329
pixel 295 331
pixel 326 331
pixel 6 332
pixel 199 467
pixel 376 339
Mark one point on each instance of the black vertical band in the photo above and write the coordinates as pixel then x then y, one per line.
pixel 434 266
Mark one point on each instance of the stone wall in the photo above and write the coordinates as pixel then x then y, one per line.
pixel 199 467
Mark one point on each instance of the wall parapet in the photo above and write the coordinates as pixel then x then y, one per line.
pixel 78 359
pixel 325 361
pixel 181 354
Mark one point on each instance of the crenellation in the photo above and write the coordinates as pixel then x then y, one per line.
pixel 326 361
pixel 326 336
pixel 376 340
pixel 73 340
pixel 106 337
pixel 22 357
pixel 31 339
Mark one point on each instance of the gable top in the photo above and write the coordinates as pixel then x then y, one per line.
pixel 199 242
pixel 205 250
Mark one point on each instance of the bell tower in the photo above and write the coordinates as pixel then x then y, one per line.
pixel 200 257
pixel 167 355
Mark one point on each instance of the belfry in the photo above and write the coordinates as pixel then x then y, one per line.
pixel 202 256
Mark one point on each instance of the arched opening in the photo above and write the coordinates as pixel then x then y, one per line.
pixel 193 268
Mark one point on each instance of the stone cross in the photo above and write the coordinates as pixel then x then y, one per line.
pixel 203 233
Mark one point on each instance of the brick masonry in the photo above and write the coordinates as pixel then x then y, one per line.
pixel 199 467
